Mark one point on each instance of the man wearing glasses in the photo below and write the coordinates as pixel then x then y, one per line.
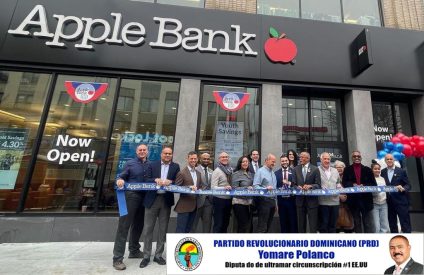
pixel 361 204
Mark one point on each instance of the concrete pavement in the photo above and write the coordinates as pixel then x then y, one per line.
pixel 67 258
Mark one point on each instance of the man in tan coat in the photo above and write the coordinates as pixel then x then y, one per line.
pixel 186 205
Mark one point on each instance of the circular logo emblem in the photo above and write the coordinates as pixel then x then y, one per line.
pixel 231 101
pixel 85 92
pixel 188 254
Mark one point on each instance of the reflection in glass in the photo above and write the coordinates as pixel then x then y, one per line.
pixel 326 120
pixel 362 12
pixel 295 119
pixel 22 98
pixel 149 117
pixel 287 8
pixel 323 10
pixel 72 149
pixel 236 132
pixel 383 123
pixel 187 3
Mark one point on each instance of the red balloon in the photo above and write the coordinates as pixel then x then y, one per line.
pixel 399 135
pixel 407 150
pixel 416 138
pixel 405 140
pixel 413 144
pixel 420 146
pixel 395 139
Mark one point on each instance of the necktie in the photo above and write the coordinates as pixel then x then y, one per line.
pixel 206 176
pixel 256 167
pixel 304 172
pixel 285 174
pixel 398 270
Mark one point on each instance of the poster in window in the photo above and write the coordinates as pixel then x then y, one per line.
pixel 12 146
pixel 90 175
pixel 229 138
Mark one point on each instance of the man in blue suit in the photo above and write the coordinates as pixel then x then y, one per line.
pixel 158 205
pixel 286 204
pixel 398 202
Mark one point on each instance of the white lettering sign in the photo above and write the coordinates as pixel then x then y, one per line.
pixel 190 39
pixel 66 141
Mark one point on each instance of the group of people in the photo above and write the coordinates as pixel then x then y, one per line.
pixel 372 212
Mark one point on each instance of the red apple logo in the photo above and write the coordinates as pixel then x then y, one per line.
pixel 279 48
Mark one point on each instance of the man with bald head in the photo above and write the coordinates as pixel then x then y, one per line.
pixel 307 177
pixel 397 202
pixel 400 251
pixel 265 178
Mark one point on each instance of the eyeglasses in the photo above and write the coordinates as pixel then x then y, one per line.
pixel 356 156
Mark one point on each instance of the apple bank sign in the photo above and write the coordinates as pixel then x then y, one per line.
pixel 170 34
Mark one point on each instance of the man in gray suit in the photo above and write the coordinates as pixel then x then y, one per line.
pixel 400 251
pixel 307 177
pixel 204 202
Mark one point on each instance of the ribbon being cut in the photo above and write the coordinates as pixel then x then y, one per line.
pixel 122 205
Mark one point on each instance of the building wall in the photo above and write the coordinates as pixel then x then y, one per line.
pixel 403 14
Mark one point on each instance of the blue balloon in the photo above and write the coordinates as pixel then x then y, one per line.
pixel 388 145
pixel 396 155
pixel 398 147
pixel 387 150
pixel 401 157
pixel 381 154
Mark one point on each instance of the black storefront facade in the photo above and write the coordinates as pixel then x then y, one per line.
pixel 161 65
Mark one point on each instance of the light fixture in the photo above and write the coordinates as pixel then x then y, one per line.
pixel 329 106
pixel 96 119
pixel 290 104
pixel 12 115
pixel 103 98
pixel 126 114
pixel 66 105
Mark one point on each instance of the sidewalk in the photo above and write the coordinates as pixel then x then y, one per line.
pixel 67 258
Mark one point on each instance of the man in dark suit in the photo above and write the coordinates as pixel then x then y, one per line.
pixel 204 202
pixel 361 204
pixel 135 170
pixel 158 205
pixel 398 203
pixel 186 205
pixel 307 177
pixel 286 204
pixel 254 164
pixel 400 251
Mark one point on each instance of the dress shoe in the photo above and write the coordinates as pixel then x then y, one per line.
pixel 144 263
pixel 119 265
pixel 138 254
pixel 159 260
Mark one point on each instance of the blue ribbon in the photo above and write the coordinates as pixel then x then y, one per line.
pixel 257 192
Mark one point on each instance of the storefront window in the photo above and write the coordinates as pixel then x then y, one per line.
pixel 187 3
pixel 313 125
pixel 72 148
pixel 229 121
pixel 287 8
pixel 389 119
pixel 22 98
pixel 147 114
pixel 324 10
pixel 362 12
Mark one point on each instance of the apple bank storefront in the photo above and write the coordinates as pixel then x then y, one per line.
pixel 83 82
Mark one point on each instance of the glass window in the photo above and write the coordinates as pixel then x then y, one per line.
pixel 236 132
pixel 383 123
pixel 72 149
pixel 326 122
pixel 324 10
pixel 362 12
pixel 22 98
pixel 187 3
pixel 389 119
pixel 295 119
pixel 287 8
pixel 151 120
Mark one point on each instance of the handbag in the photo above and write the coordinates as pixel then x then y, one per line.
pixel 345 219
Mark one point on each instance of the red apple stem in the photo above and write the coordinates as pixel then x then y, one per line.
pixel 282 36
